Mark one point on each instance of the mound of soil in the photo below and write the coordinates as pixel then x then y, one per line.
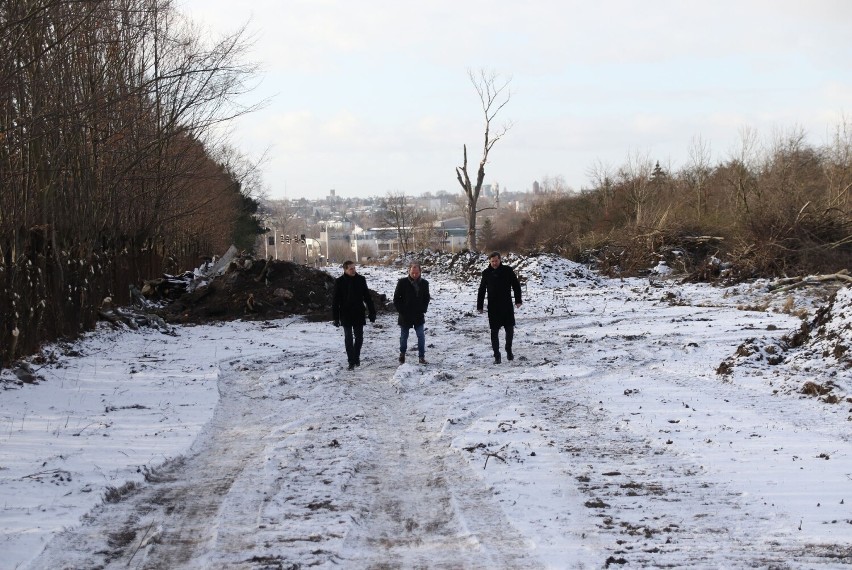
pixel 259 290
pixel 821 344
pixel 830 333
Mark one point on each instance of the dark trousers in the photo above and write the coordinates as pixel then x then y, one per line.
pixel 353 338
pixel 495 338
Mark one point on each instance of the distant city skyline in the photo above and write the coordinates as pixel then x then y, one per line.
pixel 374 96
pixel 488 190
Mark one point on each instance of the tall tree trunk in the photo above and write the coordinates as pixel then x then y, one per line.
pixel 492 99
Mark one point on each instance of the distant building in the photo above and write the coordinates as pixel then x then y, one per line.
pixel 518 206
pixel 452 233
pixel 445 235
pixel 375 242
pixel 334 232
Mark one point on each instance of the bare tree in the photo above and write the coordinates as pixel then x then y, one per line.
pixel 554 186
pixel 281 220
pixel 697 172
pixel 493 95
pixel 635 177
pixel 743 169
pixel 401 214
pixel 339 251
pixel 838 166
pixel 602 177
pixel 245 171
pixel 109 110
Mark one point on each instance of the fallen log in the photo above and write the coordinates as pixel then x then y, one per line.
pixel 790 283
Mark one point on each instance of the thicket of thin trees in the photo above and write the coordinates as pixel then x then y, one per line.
pixel 772 208
pixel 107 176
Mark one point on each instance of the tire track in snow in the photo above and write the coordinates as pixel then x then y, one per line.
pixel 172 522
pixel 426 509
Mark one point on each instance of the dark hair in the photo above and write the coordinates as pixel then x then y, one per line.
pixel 347 263
pixel 493 254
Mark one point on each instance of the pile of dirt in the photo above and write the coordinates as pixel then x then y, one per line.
pixel 822 344
pixel 829 334
pixel 545 269
pixel 463 266
pixel 258 290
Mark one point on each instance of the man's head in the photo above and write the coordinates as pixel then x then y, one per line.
pixel 349 267
pixel 414 271
pixel 494 259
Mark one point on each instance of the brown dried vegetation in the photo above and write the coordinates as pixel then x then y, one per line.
pixel 782 209
pixel 104 178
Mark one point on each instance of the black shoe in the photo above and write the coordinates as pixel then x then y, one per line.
pixel 351 366
pixel 497 358
pixel 422 360
pixel 509 355
pixel 402 358
pixel 358 362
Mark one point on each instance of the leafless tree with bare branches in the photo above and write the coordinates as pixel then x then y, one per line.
pixel 696 173
pixel 635 177
pixel 401 214
pixel 493 95
pixel 108 114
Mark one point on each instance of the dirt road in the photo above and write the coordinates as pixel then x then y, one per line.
pixel 608 442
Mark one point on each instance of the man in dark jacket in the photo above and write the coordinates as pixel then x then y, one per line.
pixel 499 281
pixel 347 308
pixel 411 299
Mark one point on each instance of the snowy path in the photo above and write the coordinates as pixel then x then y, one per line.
pixel 178 512
pixel 609 442
pixel 426 510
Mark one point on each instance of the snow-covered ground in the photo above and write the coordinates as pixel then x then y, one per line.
pixel 615 439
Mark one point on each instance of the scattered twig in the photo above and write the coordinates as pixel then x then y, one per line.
pixel 79 433
pixel 492 454
pixel 141 542
pixel 40 474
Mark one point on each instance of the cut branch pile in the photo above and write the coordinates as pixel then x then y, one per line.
pixel 790 283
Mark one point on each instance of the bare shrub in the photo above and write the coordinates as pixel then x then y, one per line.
pixel 118 494
pixel 814 389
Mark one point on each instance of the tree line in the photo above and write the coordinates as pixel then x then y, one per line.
pixel 772 208
pixel 111 168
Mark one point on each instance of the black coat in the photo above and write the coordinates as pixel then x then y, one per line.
pixel 350 296
pixel 410 302
pixel 499 284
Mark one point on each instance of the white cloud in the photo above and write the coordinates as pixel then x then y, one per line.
pixel 387 79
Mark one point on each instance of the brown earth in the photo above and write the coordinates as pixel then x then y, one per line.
pixel 259 290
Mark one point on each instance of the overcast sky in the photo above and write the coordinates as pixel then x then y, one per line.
pixel 373 96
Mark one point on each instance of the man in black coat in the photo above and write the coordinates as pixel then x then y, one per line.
pixel 499 281
pixel 411 299
pixel 347 308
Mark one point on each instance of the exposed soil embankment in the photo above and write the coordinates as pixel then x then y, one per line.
pixel 251 289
